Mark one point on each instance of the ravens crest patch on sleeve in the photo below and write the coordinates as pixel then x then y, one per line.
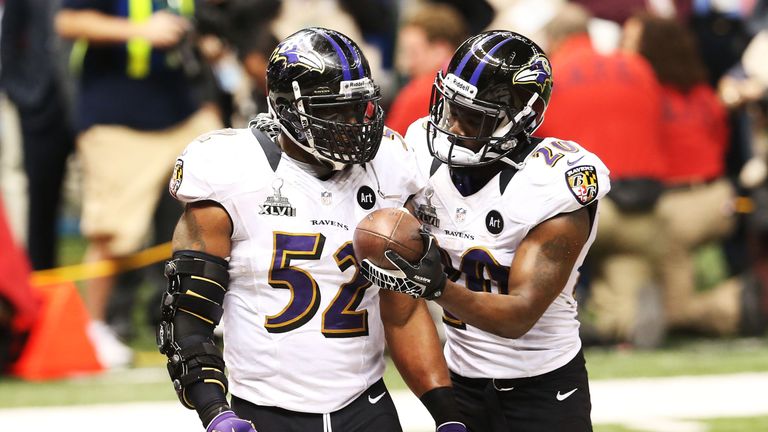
pixel 178 174
pixel 582 181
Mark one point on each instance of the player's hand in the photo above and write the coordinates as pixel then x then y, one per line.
pixel 229 422
pixel 425 279
pixel 452 427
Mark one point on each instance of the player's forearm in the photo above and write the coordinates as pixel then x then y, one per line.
pixel 507 316
pixel 95 26
pixel 416 351
pixel 208 397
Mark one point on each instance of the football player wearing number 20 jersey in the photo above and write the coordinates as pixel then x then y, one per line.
pixel 265 245
pixel 514 216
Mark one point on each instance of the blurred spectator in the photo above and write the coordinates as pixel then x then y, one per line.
pixel 229 19
pixel 721 34
pixel 697 207
pixel 254 54
pixel 478 13
pixel 526 17
pixel 235 38
pixel 758 17
pixel 728 27
pixel 228 78
pixel 33 80
pixel 426 41
pixel 745 92
pixel 136 111
pixel 18 306
pixel 377 20
pixel 611 105
pixel 620 11
pixel 746 87
pixel 612 10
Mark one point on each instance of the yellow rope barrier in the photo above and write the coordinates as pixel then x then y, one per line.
pixel 97 269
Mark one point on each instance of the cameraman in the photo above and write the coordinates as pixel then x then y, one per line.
pixel 135 111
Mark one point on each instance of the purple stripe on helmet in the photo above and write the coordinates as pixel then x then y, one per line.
pixel 355 57
pixel 469 54
pixel 483 62
pixel 344 63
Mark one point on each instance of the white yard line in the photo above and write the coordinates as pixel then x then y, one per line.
pixel 657 404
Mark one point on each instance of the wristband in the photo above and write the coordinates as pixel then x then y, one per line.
pixel 441 404
pixel 212 411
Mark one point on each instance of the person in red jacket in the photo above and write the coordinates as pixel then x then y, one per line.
pixel 426 42
pixel 611 104
pixel 18 306
pixel 698 205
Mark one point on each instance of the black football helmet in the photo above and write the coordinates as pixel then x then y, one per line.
pixel 496 88
pixel 321 91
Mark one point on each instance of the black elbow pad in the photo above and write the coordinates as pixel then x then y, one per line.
pixel 191 309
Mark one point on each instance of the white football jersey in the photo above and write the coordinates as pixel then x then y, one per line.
pixel 481 233
pixel 302 326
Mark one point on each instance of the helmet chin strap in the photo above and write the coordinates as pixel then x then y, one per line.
pixel 513 164
pixel 521 118
pixel 466 156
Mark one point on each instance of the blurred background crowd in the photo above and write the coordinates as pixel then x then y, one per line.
pixel 671 94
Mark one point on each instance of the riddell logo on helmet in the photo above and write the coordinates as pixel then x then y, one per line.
pixel 360 85
pixel 460 86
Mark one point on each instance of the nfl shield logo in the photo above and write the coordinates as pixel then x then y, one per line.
pixel 326 198
pixel 461 214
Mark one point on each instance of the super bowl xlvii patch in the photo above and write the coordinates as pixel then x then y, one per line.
pixel 583 183
pixel 427 213
pixel 277 204
pixel 176 177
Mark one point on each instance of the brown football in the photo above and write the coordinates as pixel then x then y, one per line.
pixel 388 228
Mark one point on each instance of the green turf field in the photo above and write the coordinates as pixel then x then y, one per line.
pixel 148 380
pixel 745 424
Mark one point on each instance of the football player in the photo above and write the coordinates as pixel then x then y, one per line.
pixel 265 245
pixel 514 216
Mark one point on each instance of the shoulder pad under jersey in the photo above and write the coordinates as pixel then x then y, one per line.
pixel 216 164
pixel 559 177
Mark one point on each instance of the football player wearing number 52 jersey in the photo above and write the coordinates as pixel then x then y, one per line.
pixel 514 216
pixel 265 243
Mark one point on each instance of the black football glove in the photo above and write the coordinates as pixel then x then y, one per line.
pixel 423 280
